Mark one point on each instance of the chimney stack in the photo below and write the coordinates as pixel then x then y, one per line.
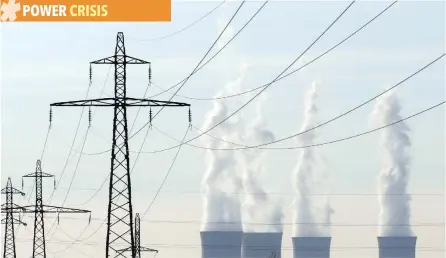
pixel 311 247
pixel 221 244
pixel 262 245
pixel 397 247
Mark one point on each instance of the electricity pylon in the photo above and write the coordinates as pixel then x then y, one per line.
pixel 9 208
pixel 138 247
pixel 39 250
pixel 120 210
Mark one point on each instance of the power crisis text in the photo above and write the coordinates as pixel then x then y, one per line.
pixel 64 10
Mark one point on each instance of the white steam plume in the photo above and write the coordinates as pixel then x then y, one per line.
pixel 310 218
pixel 257 207
pixel 222 175
pixel 394 175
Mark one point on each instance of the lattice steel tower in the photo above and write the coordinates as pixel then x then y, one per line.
pixel 120 219
pixel 9 207
pixel 138 247
pixel 39 249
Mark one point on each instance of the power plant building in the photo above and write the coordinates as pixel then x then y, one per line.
pixel 311 247
pixel 397 247
pixel 262 245
pixel 221 244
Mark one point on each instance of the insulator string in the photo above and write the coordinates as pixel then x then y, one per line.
pixel 89 116
pixel 91 74
pixel 150 118
pixel 51 116
pixel 150 74
pixel 190 119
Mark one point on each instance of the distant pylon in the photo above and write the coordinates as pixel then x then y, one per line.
pixel 39 209
pixel 120 233
pixel 9 220
pixel 138 247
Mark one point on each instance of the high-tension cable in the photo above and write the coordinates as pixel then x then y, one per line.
pixel 213 56
pixel 326 52
pixel 312 145
pixel 286 75
pixel 98 153
pixel 184 28
pixel 260 146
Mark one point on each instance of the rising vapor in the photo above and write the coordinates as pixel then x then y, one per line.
pixel 222 176
pixel 394 175
pixel 310 218
pixel 256 206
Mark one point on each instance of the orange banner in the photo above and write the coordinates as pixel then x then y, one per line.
pixel 85 10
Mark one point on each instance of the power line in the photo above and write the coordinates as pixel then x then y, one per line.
pixel 290 73
pixel 76 132
pixel 195 70
pixel 80 155
pixel 71 245
pixel 202 59
pixel 249 101
pixel 72 148
pixel 165 177
pixel 212 57
pixel 292 63
pixel 416 224
pixel 272 193
pixel 317 144
pixel 308 130
pixel 184 28
pixel 75 170
pixel 255 96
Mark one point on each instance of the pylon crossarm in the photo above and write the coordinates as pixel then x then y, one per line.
pixel 121 59
pixel 40 174
pixel 153 103
pixel 12 190
pixel 14 207
pixel 24 209
pixel 134 60
pixel 103 102
pixel 146 249
pixel 49 209
pixel 109 102
pixel 15 221
pixel 107 60
pixel 55 209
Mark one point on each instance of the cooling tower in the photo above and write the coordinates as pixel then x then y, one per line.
pixel 311 247
pixel 261 245
pixel 221 244
pixel 397 247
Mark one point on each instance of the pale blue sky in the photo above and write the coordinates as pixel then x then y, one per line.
pixel 48 62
